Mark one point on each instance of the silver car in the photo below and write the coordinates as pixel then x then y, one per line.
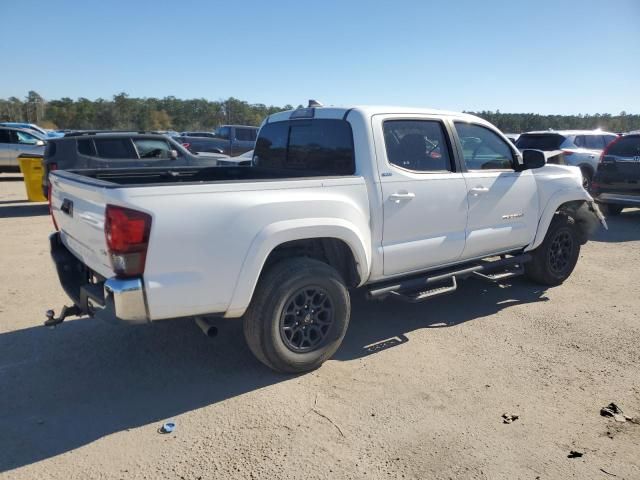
pixel 581 148
pixel 15 142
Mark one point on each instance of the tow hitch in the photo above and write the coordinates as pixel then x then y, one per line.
pixel 52 321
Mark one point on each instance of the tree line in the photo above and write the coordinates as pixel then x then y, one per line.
pixel 123 112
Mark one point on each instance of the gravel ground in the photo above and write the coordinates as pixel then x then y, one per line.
pixel 416 391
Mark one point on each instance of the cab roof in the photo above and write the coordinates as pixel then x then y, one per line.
pixel 367 111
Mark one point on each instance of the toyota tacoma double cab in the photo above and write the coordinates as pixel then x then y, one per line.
pixel 397 202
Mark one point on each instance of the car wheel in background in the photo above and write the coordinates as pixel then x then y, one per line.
pixel 587 176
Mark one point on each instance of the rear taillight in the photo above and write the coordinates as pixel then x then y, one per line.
pixel 608 147
pixel 186 145
pixel 567 152
pixel 127 233
pixel 50 209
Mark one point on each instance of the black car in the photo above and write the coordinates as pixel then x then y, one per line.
pixel 616 184
pixel 106 149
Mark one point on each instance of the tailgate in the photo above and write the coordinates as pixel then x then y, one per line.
pixel 78 208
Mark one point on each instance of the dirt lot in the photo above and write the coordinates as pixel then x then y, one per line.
pixel 416 391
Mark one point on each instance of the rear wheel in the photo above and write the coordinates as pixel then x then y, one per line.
pixel 298 315
pixel 554 260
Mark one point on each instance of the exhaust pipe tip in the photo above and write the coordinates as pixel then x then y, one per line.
pixel 207 327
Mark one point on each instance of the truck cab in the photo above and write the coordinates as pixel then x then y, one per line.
pixel 236 139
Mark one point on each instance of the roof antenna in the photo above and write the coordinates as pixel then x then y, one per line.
pixel 314 104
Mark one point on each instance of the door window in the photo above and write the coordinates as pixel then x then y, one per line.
pixel 246 134
pixel 594 142
pixel 152 148
pixel 483 149
pixel 5 137
pixel 25 138
pixel 417 145
pixel 223 133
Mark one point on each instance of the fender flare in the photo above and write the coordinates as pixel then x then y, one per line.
pixel 558 199
pixel 275 234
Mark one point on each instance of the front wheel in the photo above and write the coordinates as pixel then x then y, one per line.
pixel 556 257
pixel 298 315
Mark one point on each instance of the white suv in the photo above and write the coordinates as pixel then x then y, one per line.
pixel 581 148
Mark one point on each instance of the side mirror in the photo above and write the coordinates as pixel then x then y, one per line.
pixel 533 159
pixel 40 143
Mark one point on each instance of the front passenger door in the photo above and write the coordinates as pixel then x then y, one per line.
pixel 503 202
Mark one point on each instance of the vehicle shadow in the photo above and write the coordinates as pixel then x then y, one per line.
pixel 24 210
pixel 66 387
pixel 377 326
pixel 624 227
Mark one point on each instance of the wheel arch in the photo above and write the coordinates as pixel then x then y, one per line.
pixel 334 241
pixel 575 202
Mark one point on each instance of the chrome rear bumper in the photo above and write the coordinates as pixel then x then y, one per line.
pixel 111 299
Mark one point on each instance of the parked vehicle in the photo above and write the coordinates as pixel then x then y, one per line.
pixel 580 148
pixel 513 137
pixel 200 144
pixel 108 150
pixel 32 126
pixel 399 202
pixel 198 134
pixel 616 184
pixel 15 142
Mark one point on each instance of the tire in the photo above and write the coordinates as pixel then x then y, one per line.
pixel 587 177
pixel 281 326
pixel 556 257
pixel 611 209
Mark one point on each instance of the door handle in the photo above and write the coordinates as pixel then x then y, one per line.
pixel 398 196
pixel 475 191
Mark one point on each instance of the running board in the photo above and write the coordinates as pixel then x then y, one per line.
pixel 498 277
pixel 418 297
pixel 494 271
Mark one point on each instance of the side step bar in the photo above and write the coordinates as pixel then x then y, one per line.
pixel 416 289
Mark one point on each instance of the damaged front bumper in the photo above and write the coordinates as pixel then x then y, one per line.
pixel 108 299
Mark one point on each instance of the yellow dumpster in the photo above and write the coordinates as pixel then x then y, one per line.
pixel 32 170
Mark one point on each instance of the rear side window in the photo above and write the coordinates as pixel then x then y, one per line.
pixel 115 148
pixel 5 136
pixel 543 141
pixel 417 145
pixel 246 134
pixel 608 139
pixel 50 149
pixel 322 147
pixel 626 147
pixel 483 149
pixel 86 147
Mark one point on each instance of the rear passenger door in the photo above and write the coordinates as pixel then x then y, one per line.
pixel 423 192
pixel 503 202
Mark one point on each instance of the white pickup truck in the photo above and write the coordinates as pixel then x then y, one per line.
pixel 400 202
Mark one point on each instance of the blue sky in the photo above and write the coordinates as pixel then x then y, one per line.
pixel 536 56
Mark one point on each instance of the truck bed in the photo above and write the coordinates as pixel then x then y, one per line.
pixel 128 177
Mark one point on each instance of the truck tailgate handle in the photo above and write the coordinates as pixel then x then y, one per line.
pixel 90 219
